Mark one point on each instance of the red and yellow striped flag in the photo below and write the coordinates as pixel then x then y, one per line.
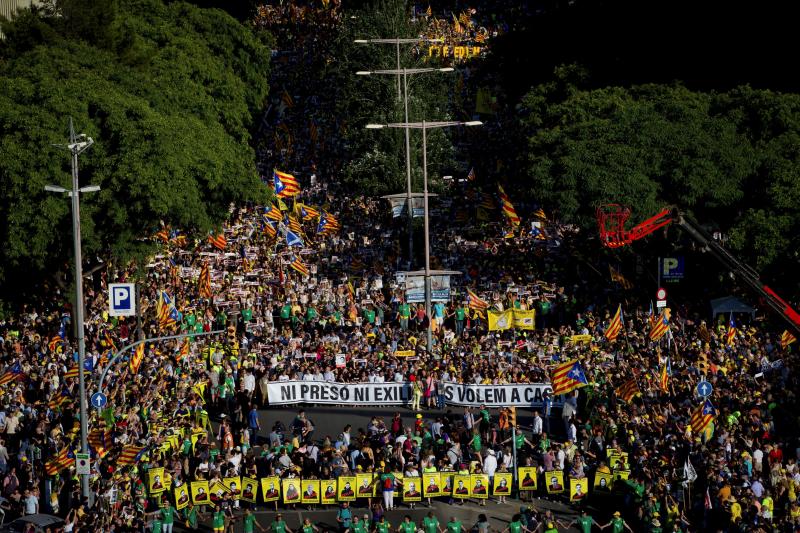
pixel 615 326
pixel 204 281
pixel 787 338
pixel 508 208
pixel 628 390
pixel 137 358
pixel 218 241
pixel 476 302
pixel 299 266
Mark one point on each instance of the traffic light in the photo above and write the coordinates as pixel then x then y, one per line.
pixel 512 416
pixel 702 363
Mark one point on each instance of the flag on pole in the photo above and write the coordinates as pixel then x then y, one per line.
pixel 64 459
pixel 286 185
pixel 292 239
pixel 204 281
pixel 136 359
pixel 269 228
pixel 617 277
pixel 628 390
pixel 730 335
pixel 273 213
pixel 307 212
pixel 13 373
pixel 689 473
pixel 130 454
pixel 184 351
pixel 476 302
pixel 539 213
pixel 702 416
pixel 294 224
pixel 787 338
pixel 72 373
pixel 567 377
pixel 660 326
pixel 615 326
pixel 707 501
pixel 168 315
pixel 663 378
pixel 508 208
pixel 298 265
pixel 471 175
pixel 218 241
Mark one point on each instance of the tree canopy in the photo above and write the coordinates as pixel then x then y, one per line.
pixel 168 93
pixel 730 158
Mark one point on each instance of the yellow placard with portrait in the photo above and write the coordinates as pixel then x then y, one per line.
pixel 528 477
pixel 621 474
pixel 412 489
pixel 479 486
pixel 249 489
pixel 291 490
pixel 461 485
pixel 310 491
pixel 554 481
pixel 603 481
pixel 234 485
pixel 200 492
pixel 328 491
pixel 181 497
pixel 365 487
pixel 501 484
pixel 156 481
pixel 446 480
pixel 346 488
pixel 218 491
pixel 431 484
pixel 618 461
pixel 578 489
pixel 270 488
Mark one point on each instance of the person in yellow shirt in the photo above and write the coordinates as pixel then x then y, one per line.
pixel 767 506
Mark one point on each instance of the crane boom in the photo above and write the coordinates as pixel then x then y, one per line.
pixel 612 218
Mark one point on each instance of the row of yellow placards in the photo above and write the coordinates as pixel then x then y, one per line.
pixel 457 52
pixel 349 488
pixel 511 318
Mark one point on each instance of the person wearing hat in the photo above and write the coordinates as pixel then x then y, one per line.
pixel 584 522
pixel 617 523
pixel 279 526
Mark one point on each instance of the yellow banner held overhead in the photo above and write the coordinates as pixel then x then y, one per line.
pixel 404 353
pixel 525 319
pixel 500 320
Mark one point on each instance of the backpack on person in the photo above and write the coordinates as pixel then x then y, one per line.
pixel 388 483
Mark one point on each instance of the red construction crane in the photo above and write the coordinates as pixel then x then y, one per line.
pixel 611 219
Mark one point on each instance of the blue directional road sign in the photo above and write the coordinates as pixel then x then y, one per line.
pixel 704 389
pixel 121 299
pixel 98 400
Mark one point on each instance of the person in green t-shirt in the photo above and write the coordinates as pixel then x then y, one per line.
pixel 383 526
pixel 286 311
pixel 279 526
pixel 218 519
pixel 167 518
pixel 407 525
pixel 369 315
pixel 156 525
pixel 617 523
pixel 516 525
pixel 460 315
pixel 308 527
pixel 454 526
pixel 431 524
pixel 584 522
pixel 359 526
pixel 403 314
pixel 249 522
pixel 191 516
pixel 247 315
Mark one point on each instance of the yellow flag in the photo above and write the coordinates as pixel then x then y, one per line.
pixel 500 320
pixel 525 319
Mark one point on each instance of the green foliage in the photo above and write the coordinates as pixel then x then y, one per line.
pixel 730 158
pixel 167 92
pixel 376 160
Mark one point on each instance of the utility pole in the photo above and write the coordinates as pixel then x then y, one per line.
pixel 77 145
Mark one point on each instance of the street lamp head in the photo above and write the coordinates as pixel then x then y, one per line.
pixel 363 73
pixel 446 69
pixel 361 41
pixel 473 123
pixel 375 126
pixel 90 188
pixel 55 188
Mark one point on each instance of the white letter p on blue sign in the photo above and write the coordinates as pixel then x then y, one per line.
pixel 121 299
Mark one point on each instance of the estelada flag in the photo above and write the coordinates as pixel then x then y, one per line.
pixel 787 338
pixel 702 416
pixel 615 326
pixel 567 377
pixel 285 184
pixel 628 390
pixel 131 454
pixel 508 208
pixel 298 265
pixel 218 241
pixel 660 326
pixel 204 282
pixel 666 372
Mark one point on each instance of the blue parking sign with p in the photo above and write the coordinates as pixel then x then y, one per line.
pixel 672 268
pixel 121 299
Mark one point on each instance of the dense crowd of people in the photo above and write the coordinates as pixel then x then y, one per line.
pixel 183 416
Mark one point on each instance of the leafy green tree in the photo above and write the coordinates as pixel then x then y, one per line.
pixel 168 96
pixel 730 159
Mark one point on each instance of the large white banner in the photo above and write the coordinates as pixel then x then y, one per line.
pixel 321 392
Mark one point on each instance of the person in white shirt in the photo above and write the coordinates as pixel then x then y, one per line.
pixel 490 464
pixel 536 425
pixel 560 458
pixel 249 383
pixel 758 460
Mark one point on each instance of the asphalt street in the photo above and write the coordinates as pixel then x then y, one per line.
pixel 330 420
